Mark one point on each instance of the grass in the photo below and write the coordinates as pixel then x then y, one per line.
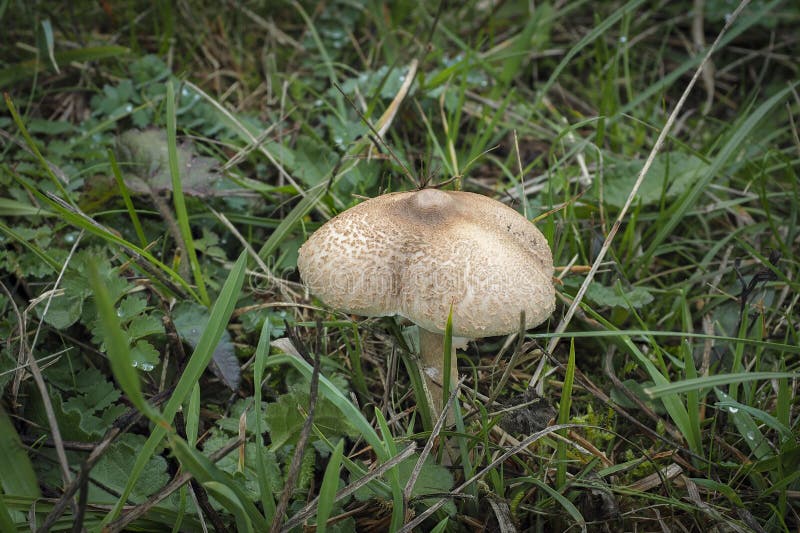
pixel 139 273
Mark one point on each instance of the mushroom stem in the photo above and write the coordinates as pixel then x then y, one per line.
pixel 431 349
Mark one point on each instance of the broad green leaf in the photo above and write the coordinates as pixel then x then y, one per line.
pixel 616 296
pixel 433 480
pixel 671 174
pixel 286 416
pixel 115 464
pixel 190 320
pixel 144 158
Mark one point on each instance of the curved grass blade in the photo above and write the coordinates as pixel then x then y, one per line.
pixel 117 348
pixel 394 475
pixel 218 321
pixel 330 484
pixel 707 382
pixel 207 472
pixel 17 476
pixel 264 486
pixel 228 499
pixel 178 199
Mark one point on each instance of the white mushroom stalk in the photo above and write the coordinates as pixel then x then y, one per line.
pixel 417 254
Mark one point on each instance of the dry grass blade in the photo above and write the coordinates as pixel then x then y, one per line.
pixel 388 116
pixel 36 372
pixel 437 428
pixel 657 478
pixel 562 326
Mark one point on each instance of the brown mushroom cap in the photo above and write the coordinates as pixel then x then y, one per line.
pixel 417 253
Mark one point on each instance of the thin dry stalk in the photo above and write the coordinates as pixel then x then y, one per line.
pixel 36 372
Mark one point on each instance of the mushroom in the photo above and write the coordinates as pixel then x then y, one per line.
pixel 424 253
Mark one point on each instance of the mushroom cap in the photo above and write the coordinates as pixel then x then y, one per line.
pixel 417 253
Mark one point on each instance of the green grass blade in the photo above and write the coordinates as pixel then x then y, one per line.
pixel 448 358
pixel 32 248
pixel 26 69
pixel 203 352
pixel 354 352
pixel 394 476
pixel 748 429
pixel 17 476
pixel 14 208
pixel 563 418
pixel 35 149
pixel 6 522
pixel 178 199
pixel 126 197
pixel 50 44
pixel 303 207
pixel 192 415
pixel 740 134
pixel 330 484
pixel 206 472
pixel 764 417
pixel 568 506
pixel 264 485
pixel 692 397
pixel 224 495
pixel 614 332
pixel 707 382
